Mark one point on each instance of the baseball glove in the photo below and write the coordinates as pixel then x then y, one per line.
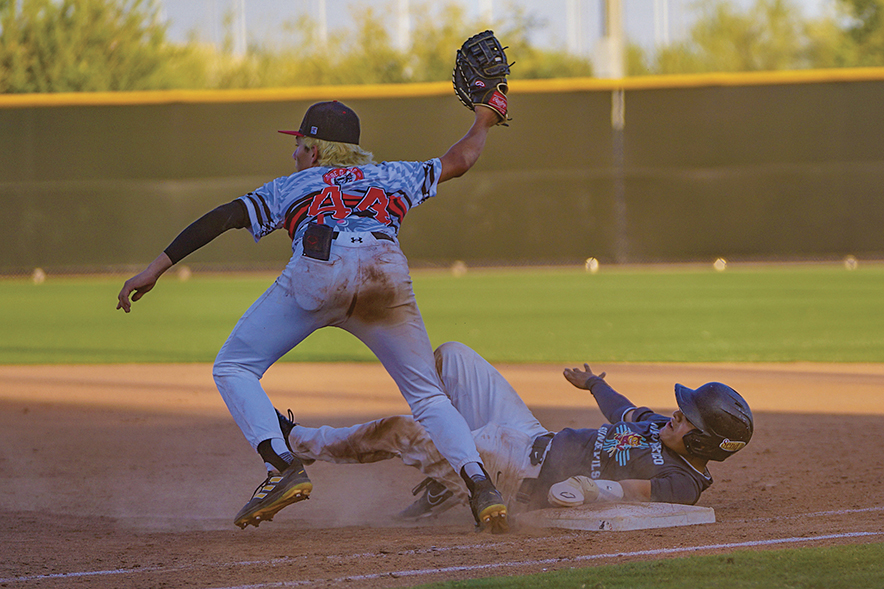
pixel 480 71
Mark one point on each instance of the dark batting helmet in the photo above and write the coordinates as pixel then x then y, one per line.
pixel 722 417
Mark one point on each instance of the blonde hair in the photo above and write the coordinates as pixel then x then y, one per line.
pixel 338 155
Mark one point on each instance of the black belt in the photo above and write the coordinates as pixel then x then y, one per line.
pixel 316 242
pixel 537 454
pixel 538 448
pixel 376 234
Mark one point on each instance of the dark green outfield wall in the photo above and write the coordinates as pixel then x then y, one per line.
pixel 741 167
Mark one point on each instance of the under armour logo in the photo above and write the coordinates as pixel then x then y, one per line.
pixel 355 240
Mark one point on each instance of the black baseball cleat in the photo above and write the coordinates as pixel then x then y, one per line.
pixel 433 501
pixel 277 491
pixel 488 507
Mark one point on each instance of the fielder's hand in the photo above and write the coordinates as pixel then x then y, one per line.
pixel 142 282
pixel 580 378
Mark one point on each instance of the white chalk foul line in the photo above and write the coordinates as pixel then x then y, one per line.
pixel 418 572
pixel 456 569
pixel 817 514
pixel 526 563
pixel 132 570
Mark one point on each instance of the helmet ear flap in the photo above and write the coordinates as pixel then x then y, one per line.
pixel 703 445
pixel 710 446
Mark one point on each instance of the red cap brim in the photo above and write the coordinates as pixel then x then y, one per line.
pixel 296 133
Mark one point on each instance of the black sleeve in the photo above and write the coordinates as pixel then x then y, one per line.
pixel 675 488
pixel 611 403
pixel 232 215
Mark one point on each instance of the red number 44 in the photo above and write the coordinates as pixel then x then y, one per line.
pixel 331 202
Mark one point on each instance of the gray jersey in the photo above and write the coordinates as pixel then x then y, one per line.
pixel 623 450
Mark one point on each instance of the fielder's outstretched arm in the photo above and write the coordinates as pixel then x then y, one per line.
pixel 232 215
pixel 464 154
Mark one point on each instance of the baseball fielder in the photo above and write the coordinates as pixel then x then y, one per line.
pixel 343 213
pixel 638 456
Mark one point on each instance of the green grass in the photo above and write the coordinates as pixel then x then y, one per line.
pixel 839 567
pixel 819 313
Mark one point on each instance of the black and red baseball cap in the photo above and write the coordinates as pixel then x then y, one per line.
pixel 329 121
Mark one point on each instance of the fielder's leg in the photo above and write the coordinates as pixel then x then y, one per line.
pixel 390 324
pixel 272 326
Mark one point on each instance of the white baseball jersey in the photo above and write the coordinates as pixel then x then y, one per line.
pixel 373 197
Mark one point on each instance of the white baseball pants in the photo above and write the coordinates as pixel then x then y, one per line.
pixel 502 425
pixel 364 288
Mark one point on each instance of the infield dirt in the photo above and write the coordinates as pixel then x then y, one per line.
pixel 130 475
